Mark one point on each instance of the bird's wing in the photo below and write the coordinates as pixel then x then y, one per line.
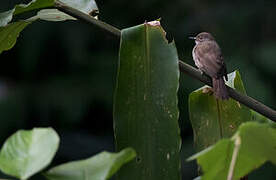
pixel 210 57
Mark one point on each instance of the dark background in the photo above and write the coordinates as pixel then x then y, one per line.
pixel 63 74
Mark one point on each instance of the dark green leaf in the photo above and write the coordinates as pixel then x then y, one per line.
pixel 27 152
pixel 34 4
pixel 99 167
pixel 257 145
pixel 215 119
pixel 145 108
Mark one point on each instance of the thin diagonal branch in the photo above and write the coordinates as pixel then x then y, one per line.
pixel 243 99
pixel 185 68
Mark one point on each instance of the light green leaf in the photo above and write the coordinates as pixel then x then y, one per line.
pixel 27 152
pixel 86 6
pixel 99 167
pixel 6 17
pixel 52 15
pixel 145 106
pixel 10 33
pixel 257 145
pixel 215 119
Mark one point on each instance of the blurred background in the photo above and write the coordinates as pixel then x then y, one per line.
pixel 63 74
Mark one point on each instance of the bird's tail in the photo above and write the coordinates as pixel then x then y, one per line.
pixel 220 89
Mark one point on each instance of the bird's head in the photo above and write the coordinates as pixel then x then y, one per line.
pixel 201 37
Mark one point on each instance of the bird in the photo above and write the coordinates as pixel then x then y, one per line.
pixel 208 58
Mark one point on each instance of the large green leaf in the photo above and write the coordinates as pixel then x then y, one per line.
pixel 27 152
pixel 215 119
pixel 254 143
pixel 145 107
pixel 99 167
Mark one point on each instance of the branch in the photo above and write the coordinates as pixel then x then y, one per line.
pixel 191 71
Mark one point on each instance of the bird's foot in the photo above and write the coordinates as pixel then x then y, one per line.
pixel 201 72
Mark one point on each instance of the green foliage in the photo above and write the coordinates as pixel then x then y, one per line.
pixel 7 16
pixel 215 119
pixel 86 6
pixel 10 32
pixel 145 107
pixel 98 167
pixel 256 145
pixel 27 152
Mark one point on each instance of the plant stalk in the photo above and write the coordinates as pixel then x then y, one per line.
pixel 234 158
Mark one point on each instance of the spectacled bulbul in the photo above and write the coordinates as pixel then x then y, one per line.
pixel 208 58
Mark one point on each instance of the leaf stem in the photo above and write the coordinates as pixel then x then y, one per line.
pixel 234 158
pixel 219 118
pixel 186 68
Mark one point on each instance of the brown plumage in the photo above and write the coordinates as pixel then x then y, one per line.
pixel 208 58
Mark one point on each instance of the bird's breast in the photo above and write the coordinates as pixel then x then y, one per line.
pixel 196 58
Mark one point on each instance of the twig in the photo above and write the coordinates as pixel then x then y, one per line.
pixel 193 72
pixel 234 158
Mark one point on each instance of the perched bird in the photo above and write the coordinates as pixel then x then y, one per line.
pixel 208 58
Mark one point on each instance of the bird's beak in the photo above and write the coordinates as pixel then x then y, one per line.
pixel 192 38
